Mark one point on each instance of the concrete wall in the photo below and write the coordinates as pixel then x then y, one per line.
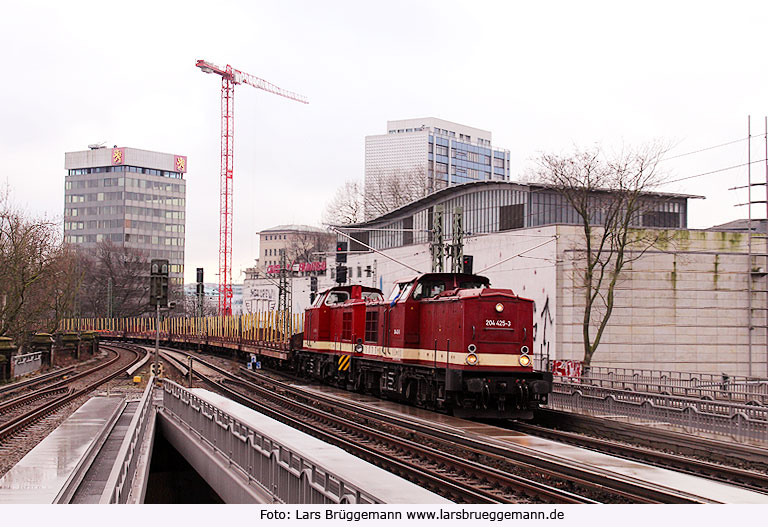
pixel 682 306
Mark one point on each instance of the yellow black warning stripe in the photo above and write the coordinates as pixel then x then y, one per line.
pixel 344 363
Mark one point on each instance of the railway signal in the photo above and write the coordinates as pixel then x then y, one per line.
pixel 341 274
pixel 466 265
pixel 341 252
pixel 158 283
pixel 341 259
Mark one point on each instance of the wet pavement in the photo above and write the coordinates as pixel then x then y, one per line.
pixel 41 474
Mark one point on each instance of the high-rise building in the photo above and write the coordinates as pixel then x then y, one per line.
pixel 419 156
pixel 130 197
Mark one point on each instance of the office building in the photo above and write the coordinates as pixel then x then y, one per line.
pixel 132 198
pixel 420 156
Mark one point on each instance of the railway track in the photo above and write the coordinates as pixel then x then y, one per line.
pixel 459 467
pixel 617 439
pixel 22 412
pixel 9 389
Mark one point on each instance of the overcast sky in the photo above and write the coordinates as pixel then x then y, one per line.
pixel 542 76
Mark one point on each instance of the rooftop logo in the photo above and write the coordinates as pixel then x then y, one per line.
pixel 118 156
pixel 181 164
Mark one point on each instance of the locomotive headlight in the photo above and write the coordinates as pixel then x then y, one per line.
pixel 499 307
pixel 471 359
pixel 524 360
pixel 358 348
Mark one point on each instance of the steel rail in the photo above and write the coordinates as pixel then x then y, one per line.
pixel 430 480
pixel 748 479
pixel 481 472
pixel 38 379
pixel 30 397
pixel 626 487
pixel 25 420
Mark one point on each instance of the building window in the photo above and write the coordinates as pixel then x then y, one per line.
pixel 511 217
pixel 661 219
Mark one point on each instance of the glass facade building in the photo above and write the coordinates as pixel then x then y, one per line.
pixel 129 197
pixel 419 156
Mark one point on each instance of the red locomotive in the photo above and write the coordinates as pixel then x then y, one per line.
pixel 441 340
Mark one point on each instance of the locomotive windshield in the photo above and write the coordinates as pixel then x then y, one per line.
pixel 428 289
pixel 318 301
pixel 372 296
pixel 400 291
pixel 336 297
pixel 472 284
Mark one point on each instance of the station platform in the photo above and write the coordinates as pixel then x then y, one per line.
pixel 490 434
pixel 44 472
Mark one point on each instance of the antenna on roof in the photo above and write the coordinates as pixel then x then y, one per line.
pixel 96 146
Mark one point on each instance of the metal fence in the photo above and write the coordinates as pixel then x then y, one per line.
pixel 707 386
pixel 739 422
pixel 723 387
pixel 280 470
pixel 120 480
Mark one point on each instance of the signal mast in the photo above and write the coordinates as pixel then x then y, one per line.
pixel 229 78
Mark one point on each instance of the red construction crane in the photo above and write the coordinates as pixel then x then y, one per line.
pixel 229 77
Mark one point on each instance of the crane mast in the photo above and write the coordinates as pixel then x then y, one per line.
pixel 229 78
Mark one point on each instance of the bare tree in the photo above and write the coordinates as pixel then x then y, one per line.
pixel 384 191
pixel 387 190
pixel 37 278
pixel 609 196
pixel 189 307
pixel 346 207
pixel 116 282
pixel 304 246
pixel 56 296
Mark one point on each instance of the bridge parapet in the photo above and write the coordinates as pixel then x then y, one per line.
pixel 296 468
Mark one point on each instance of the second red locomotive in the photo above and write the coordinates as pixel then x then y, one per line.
pixel 441 340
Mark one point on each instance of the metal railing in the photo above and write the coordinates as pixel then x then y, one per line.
pixel 120 480
pixel 739 422
pixel 285 474
pixel 707 386
pixel 722 387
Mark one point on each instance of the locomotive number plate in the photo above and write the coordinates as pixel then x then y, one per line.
pixel 498 323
